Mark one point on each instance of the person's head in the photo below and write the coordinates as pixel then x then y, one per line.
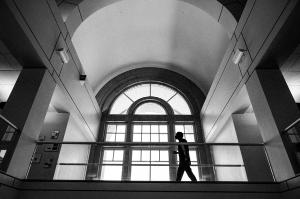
pixel 179 135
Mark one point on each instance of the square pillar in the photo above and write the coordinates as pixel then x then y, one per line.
pixel 275 109
pixel 26 107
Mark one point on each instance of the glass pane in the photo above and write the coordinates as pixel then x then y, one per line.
pixel 227 155
pixel 193 156
pixel 162 92
pixel 146 128
pixel 138 92
pixel 2 154
pixel 145 137
pixel 179 105
pixel 140 173
pixel 145 155
pixel 111 172
pixel 190 137
pixel 163 129
pixel 121 105
pixel 164 156
pixel 195 172
pixel 179 128
pixel 136 155
pixel 111 128
pixel 163 138
pixel 110 137
pixel 154 128
pixel 160 173
pixel 137 129
pixel 155 155
pixel 154 138
pixel 120 137
pixel 108 155
pixel 188 129
pixel 121 128
pixel 231 174
pixel 118 155
pixel 137 137
pixel 150 108
pixel 70 172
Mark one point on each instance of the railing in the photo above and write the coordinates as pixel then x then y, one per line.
pixel 146 161
pixel 9 135
pixel 291 136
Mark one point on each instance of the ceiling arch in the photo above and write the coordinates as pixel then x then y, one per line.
pixel 76 11
pixel 169 34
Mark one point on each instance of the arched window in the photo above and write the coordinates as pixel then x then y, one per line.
pixel 146 113
pixel 147 90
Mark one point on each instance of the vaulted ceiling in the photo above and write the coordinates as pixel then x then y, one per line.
pixel 171 34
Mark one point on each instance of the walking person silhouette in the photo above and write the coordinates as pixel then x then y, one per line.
pixel 184 159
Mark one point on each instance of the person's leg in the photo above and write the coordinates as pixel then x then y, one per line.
pixel 179 173
pixel 190 173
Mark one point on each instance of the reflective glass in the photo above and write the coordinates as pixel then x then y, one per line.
pixel 150 108
pixel 179 105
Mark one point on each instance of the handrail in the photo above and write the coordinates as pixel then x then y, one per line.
pixel 152 143
pixel 291 125
pixel 141 164
pixel 8 122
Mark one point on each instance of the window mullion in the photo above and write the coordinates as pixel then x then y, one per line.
pixel 127 154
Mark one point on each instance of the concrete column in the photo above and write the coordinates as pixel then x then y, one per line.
pixel 26 108
pixel 46 155
pixel 275 109
pixel 254 157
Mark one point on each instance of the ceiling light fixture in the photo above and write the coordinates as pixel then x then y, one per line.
pixel 238 55
pixel 63 55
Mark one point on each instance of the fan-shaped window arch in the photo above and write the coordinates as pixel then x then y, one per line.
pixel 123 102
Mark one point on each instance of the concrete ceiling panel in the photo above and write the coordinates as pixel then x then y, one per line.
pixel 260 23
pixel 46 36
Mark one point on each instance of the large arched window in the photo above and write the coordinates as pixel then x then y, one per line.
pixel 149 112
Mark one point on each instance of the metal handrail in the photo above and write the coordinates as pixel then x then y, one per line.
pixel 151 143
pixel 8 122
pixel 134 164
pixel 292 125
